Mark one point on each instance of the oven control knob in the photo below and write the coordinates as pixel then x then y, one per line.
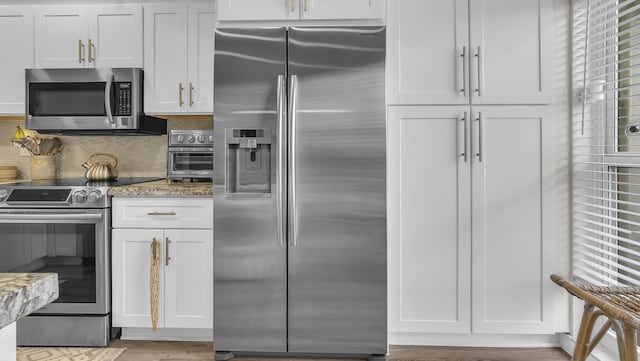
pixel 202 139
pixel 80 196
pixel 211 139
pixel 191 138
pixel 3 195
pixel 95 196
pixel 180 138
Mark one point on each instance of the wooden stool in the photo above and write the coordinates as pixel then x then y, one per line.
pixel 621 306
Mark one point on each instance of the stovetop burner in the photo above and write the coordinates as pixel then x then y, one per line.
pixel 62 193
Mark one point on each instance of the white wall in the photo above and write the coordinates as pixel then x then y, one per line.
pixel 562 153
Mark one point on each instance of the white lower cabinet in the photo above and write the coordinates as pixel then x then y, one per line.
pixel 470 217
pixel 186 267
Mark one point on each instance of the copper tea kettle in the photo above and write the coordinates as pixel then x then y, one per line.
pixel 97 171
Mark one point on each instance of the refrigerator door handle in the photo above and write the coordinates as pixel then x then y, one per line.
pixel 280 177
pixel 293 225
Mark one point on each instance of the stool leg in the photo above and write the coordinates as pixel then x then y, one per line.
pixel 620 338
pixel 627 344
pixel 630 344
pixel 589 317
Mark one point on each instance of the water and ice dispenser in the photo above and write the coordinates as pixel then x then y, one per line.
pixel 248 162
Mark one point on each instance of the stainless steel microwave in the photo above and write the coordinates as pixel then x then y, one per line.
pixel 88 101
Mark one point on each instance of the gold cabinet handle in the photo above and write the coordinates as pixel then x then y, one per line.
pixel 171 213
pixel 180 89
pixel 190 94
pixel 293 5
pixel 306 8
pixel 80 51
pixel 166 251
pixel 92 52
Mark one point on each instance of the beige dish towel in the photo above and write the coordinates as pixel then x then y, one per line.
pixel 154 282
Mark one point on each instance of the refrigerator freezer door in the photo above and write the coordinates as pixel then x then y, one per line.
pixel 249 253
pixel 337 259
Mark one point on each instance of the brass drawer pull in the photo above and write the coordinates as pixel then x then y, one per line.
pixel 80 51
pixel 172 213
pixel 92 51
pixel 180 89
pixel 166 251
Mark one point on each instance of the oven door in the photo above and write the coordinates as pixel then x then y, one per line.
pixel 193 162
pixel 75 244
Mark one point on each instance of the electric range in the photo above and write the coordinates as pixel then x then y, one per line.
pixel 62 226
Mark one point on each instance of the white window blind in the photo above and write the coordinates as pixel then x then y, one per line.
pixel 606 141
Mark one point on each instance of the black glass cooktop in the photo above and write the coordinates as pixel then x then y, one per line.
pixel 79 182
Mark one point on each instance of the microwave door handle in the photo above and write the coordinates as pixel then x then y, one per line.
pixel 107 98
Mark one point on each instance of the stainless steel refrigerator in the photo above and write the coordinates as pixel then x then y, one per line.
pixel 300 191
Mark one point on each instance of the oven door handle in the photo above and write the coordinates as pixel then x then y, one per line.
pixel 48 216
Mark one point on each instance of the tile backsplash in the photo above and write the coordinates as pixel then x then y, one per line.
pixel 138 156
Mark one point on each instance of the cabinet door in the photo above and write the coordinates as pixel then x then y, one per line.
pixel 201 47
pixel 115 32
pixel 512 220
pixel 429 220
pixel 257 10
pixel 511 51
pixel 60 36
pixel 16 42
pixel 189 279
pixel 165 58
pixel 426 41
pixel 340 9
pixel 131 257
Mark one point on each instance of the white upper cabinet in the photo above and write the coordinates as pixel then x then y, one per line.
pixel 469 51
pixel 115 35
pixel 510 51
pixel 425 41
pixel 238 10
pixel 268 10
pixel 341 9
pixel 200 32
pixel 83 36
pixel 178 53
pixel 16 40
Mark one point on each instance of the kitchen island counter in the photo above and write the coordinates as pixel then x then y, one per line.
pixel 20 295
pixel 24 293
pixel 163 188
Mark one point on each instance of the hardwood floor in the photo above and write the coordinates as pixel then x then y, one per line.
pixel 190 351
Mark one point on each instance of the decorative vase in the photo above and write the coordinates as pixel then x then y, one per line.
pixel 43 167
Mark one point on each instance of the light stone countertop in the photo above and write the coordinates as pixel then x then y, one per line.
pixel 24 293
pixel 163 188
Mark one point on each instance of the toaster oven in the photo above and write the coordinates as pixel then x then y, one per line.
pixel 190 154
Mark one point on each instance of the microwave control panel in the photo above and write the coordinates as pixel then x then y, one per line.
pixel 123 98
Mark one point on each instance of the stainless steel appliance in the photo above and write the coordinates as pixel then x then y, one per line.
pixel 88 101
pixel 62 226
pixel 190 154
pixel 300 191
